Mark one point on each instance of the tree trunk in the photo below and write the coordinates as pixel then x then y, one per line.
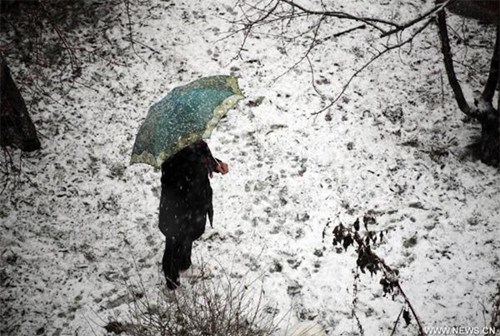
pixel 490 138
pixel 487 11
pixel 16 127
pixel 490 117
pixel 482 109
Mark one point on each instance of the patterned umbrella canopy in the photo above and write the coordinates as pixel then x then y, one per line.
pixel 185 115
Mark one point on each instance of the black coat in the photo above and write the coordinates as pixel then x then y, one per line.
pixel 186 201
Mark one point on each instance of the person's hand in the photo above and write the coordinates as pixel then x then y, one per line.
pixel 222 168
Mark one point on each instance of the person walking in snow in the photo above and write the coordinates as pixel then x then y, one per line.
pixel 185 204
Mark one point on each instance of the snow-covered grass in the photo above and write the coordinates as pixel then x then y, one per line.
pixel 212 306
pixel 78 223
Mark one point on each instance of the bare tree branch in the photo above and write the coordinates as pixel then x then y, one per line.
pixel 493 77
pixel 75 69
pixel 130 30
pixel 342 15
pixel 373 59
pixel 448 63
pixel 273 12
pixel 394 328
pixel 355 302
pixel 312 77
pixel 311 47
pixel 269 12
pixel 386 269
pixel 419 18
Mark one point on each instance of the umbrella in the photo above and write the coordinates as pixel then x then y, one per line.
pixel 185 115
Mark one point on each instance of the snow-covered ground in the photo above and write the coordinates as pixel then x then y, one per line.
pixel 79 222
